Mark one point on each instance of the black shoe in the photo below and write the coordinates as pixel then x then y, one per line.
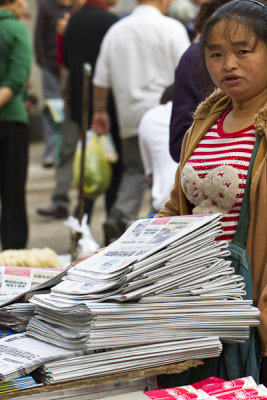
pixel 113 230
pixel 55 211
pixel 110 233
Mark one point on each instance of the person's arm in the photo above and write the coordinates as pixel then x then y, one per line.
pixel 39 34
pixel 100 119
pixel 6 94
pixel 19 65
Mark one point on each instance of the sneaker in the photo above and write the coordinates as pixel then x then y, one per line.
pixel 54 211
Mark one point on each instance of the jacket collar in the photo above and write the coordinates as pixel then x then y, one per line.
pixel 5 14
pixel 218 102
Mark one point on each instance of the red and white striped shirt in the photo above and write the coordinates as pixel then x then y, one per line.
pixel 214 177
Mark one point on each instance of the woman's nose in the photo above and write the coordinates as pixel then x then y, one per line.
pixel 230 63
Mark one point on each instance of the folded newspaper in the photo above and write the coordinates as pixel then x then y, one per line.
pixel 164 280
pixel 17 285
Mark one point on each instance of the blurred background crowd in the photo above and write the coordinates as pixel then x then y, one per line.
pixel 144 55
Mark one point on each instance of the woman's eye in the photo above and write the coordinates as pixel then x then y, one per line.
pixel 243 51
pixel 215 55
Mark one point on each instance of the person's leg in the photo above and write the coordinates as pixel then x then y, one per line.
pixel 59 198
pixel 14 161
pixel 130 193
pixel 70 137
pixel 114 185
pixel 51 90
pixel 117 167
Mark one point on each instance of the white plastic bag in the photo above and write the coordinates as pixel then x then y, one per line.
pixel 87 245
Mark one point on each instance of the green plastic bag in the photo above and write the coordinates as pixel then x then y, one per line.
pixel 97 168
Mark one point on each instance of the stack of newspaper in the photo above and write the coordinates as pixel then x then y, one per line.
pixel 165 280
pixel 174 271
pixel 17 284
pixel 16 316
pixel 21 354
pixel 127 359
pixel 96 326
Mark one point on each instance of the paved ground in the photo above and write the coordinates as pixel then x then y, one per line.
pixel 50 232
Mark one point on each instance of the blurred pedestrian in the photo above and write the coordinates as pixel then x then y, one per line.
pixel 46 50
pixel 185 11
pixel 137 60
pixel 192 82
pixel 91 22
pixel 153 133
pixel 15 64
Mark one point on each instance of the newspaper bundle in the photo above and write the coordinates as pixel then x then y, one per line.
pixel 128 359
pixel 20 354
pixel 17 284
pixel 174 271
pixel 165 280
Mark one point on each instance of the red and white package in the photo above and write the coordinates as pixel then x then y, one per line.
pixel 208 381
pixel 182 393
pixel 257 392
pixel 218 389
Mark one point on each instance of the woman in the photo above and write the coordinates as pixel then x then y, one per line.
pixel 15 62
pixel 216 151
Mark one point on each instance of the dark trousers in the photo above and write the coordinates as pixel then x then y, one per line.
pixel 13 173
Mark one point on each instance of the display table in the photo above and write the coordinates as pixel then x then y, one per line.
pixel 104 386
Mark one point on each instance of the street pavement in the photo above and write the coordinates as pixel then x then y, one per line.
pixel 44 231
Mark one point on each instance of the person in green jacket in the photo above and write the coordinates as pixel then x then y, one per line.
pixel 15 64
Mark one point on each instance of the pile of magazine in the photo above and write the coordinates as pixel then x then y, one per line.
pixel 166 280
pixel 25 382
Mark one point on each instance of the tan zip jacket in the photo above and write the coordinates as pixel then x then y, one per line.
pixel 205 116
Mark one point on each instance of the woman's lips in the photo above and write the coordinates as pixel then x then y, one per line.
pixel 231 80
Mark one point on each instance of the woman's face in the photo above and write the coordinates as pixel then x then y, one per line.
pixel 237 61
pixel 18 7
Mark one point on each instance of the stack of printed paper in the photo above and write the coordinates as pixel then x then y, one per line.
pixel 17 284
pixel 25 382
pixel 129 358
pixel 174 271
pixel 16 316
pixel 95 326
pixel 165 280
pixel 20 354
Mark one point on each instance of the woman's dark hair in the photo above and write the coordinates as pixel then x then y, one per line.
pixel 252 14
pixel 206 10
